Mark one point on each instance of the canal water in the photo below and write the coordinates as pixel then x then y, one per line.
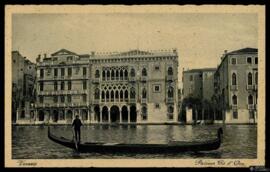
pixel 31 142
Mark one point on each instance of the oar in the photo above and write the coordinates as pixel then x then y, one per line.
pixel 75 140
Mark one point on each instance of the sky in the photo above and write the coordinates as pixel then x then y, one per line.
pixel 200 39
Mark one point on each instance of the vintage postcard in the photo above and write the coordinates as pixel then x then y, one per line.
pixel 134 86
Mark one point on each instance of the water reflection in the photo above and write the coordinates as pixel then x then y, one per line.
pixel 32 141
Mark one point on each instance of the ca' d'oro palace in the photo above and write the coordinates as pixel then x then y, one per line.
pixel 132 87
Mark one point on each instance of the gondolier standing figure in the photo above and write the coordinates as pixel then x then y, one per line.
pixel 77 128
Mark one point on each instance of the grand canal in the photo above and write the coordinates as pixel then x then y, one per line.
pixel 31 142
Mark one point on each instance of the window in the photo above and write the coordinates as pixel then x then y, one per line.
pixel 55 99
pixel 112 96
pixel 62 85
pixel 84 97
pixel 170 71
pixel 156 88
pixel 97 74
pixel 234 79
pixel 97 94
pixel 249 78
pixel 157 106
pixel 84 85
pixel 103 75
pixel 256 60
pixel 170 92
pixel 156 67
pixel 69 98
pixel 62 71
pixel 41 86
pixel 55 72
pixel 77 70
pixel 103 95
pixel 132 93
pixel 233 61
pixel 144 94
pixel 144 72
pixel 126 94
pixel 250 100
pixel 249 60
pixel 132 72
pixel 251 114
pixel 235 114
pixel 191 78
pixel 23 104
pixel 62 99
pixel 170 109
pixel 256 78
pixel 69 72
pixel 23 114
pixel 41 73
pixel 55 86
pixel 14 61
pixel 48 72
pixel 41 99
pixel 126 74
pixel 69 85
pixel 84 71
pixel 234 100
pixel 69 58
pixel 144 113
pixel 55 59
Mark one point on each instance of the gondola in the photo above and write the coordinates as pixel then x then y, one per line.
pixel 171 147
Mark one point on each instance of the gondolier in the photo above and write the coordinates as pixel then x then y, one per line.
pixel 77 128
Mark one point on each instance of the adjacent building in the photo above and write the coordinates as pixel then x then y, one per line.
pixel 236 83
pixel 23 88
pixel 199 83
pixel 133 86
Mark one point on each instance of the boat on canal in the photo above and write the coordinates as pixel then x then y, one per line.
pixel 171 147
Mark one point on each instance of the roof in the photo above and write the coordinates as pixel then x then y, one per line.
pixel 63 51
pixel 200 70
pixel 244 50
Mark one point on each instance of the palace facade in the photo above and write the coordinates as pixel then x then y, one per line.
pixel 122 87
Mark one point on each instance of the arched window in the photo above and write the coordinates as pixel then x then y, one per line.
pixel 250 100
pixel 96 93
pixel 103 75
pixel 126 74
pixel 249 78
pixel 132 72
pixel 144 94
pixel 117 94
pixel 112 75
pixel 117 75
pixel 170 71
pixel 121 95
pixel 121 75
pixel 103 95
pixel 112 96
pixel 233 79
pixel 144 72
pixel 108 75
pixel 234 100
pixel 97 74
pixel 107 95
pixel 170 109
pixel 256 78
pixel 132 93
pixel 170 92
pixel 126 94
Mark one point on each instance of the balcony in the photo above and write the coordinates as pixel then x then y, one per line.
pixel 132 100
pixel 250 106
pixel 132 79
pixel 95 80
pixel 169 100
pixel 169 78
pixel 234 87
pixel 96 101
pixel 143 78
pixel 144 100
pixel 249 87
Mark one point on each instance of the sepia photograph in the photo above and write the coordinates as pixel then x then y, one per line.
pixel 134 86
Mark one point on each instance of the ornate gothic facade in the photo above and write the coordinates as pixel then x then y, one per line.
pixel 134 86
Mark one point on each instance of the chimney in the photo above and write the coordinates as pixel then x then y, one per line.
pixel 225 51
pixel 45 55
pixel 39 56
pixel 93 53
